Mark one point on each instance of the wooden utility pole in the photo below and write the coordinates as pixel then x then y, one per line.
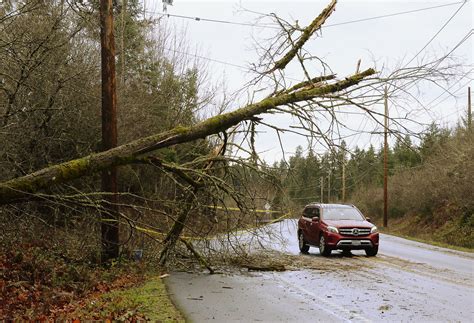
pixel 385 162
pixel 343 181
pixel 122 43
pixel 109 213
pixel 469 112
pixel 321 182
pixel 329 187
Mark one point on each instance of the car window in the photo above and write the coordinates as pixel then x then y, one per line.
pixel 314 212
pixel 342 214
pixel 307 212
pixel 311 212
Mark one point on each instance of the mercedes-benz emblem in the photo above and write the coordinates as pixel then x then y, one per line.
pixel 355 232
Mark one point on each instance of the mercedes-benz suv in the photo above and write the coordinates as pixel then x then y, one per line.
pixel 336 226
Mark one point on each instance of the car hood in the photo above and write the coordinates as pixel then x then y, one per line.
pixel 349 224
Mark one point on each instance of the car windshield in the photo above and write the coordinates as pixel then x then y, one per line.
pixel 342 214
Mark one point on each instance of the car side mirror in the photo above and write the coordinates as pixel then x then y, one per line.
pixel 315 218
pixel 368 219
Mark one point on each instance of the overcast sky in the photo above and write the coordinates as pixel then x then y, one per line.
pixel 388 41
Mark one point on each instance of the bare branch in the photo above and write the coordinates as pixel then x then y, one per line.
pixel 307 33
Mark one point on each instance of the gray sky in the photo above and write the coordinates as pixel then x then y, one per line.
pixel 380 42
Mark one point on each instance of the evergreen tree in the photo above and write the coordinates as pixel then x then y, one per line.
pixel 405 154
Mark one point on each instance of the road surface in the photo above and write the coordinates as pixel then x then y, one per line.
pixel 407 281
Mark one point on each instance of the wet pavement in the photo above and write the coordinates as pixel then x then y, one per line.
pixel 407 281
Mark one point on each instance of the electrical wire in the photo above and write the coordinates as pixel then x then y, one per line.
pixel 460 108
pixel 438 32
pixel 195 18
pixel 392 14
pixel 447 90
pixel 207 58
pixel 336 24
pixel 469 34
pixel 428 106
pixel 331 25
pixel 213 20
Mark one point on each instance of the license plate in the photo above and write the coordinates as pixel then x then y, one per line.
pixel 356 242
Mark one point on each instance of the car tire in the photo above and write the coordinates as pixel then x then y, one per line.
pixel 304 248
pixel 324 250
pixel 371 252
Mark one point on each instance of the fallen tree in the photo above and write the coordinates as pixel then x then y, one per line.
pixel 22 188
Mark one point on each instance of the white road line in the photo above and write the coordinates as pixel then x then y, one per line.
pixel 327 306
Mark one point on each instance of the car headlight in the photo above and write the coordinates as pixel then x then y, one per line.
pixel 332 229
pixel 374 229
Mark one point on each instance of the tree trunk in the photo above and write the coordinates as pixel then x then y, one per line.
pixel 25 187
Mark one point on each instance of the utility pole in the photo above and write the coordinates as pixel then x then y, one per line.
pixel 321 184
pixel 329 186
pixel 122 43
pixel 469 112
pixel 109 211
pixel 385 162
pixel 343 181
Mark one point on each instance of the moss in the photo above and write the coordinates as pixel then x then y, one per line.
pixel 180 129
pixel 72 168
pixel 217 121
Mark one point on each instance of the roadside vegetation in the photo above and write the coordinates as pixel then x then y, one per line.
pixel 147 300
pixel 50 250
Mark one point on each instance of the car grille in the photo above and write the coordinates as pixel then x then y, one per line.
pixel 353 243
pixel 354 232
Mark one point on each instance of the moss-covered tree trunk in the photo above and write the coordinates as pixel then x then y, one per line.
pixel 25 187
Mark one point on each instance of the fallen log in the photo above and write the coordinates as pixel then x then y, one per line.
pixel 23 188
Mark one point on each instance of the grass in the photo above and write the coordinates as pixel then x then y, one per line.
pixel 426 240
pixel 147 301
pixel 447 227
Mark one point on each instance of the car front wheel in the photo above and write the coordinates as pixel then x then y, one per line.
pixel 323 248
pixel 302 244
pixel 371 252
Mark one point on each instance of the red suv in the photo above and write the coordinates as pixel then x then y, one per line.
pixel 336 226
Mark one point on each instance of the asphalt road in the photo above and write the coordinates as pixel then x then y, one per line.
pixel 407 281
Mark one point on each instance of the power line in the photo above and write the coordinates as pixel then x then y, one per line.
pixel 438 32
pixel 429 106
pixel 462 87
pixel 392 14
pixel 207 58
pixel 228 22
pixel 213 20
pixel 469 34
pixel 218 61
pixel 447 90
pixel 331 25
pixel 437 63
pixel 343 23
